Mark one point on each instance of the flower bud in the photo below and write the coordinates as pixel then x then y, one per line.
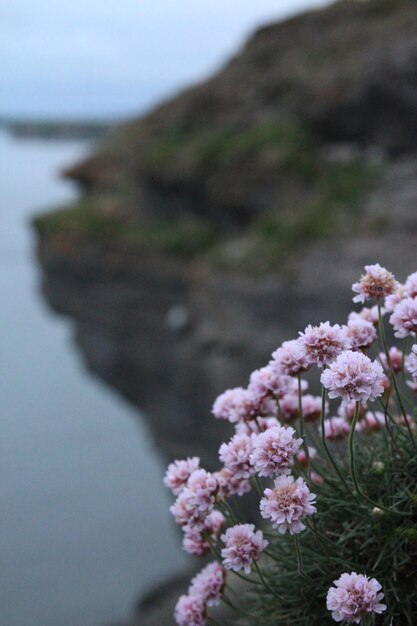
pixel 378 467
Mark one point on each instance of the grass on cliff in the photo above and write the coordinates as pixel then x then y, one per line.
pixel 182 237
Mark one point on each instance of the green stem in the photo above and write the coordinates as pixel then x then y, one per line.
pixel 352 461
pixel 258 485
pixel 324 442
pixel 265 584
pixel 302 429
pixel 393 376
pixel 299 557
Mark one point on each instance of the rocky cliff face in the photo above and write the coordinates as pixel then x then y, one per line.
pixel 235 214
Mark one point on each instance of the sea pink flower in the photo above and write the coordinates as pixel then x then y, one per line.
pixel 287 504
pixel 360 333
pixel 410 287
pixel 396 357
pixel 377 283
pixel 404 317
pixel 372 422
pixel 411 362
pixel 302 457
pixel 254 427
pixel 347 410
pixel 291 358
pixel 316 478
pixel 190 611
pixel 311 406
pixel 230 484
pixel 336 428
pixel 235 455
pixel 323 343
pixel 195 539
pixel 370 314
pixel 267 381
pixel 274 450
pixel 353 376
pixel 354 596
pixel 228 405
pixel 243 546
pixel 209 584
pixel 196 500
pixel 179 472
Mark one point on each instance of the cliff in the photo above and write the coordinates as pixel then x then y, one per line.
pixel 236 213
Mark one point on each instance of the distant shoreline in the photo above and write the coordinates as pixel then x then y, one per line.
pixel 58 130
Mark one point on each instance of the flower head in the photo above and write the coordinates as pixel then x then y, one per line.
pixel 323 343
pixel 336 428
pixel 396 357
pixel 377 283
pixel 195 540
pixel 291 358
pixel 354 597
pixel 404 317
pixel 196 500
pixel 235 455
pixel 267 381
pixel 287 504
pixel 360 333
pixel 370 314
pixel 179 472
pixel 230 484
pixel 243 546
pixel 274 450
pixel 190 611
pixel 372 422
pixel 411 362
pixel 209 584
pixel 353 376
pixel 410 287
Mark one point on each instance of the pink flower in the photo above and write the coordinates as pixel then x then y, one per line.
pixel 360 333
pixel 227 405
pixel 377 282
pixel 274 450
pixel 353 376
pixel 370 314
pixel 311 406
pixel 411 362
pixel 179 472
pixel 287 504
pixel 354 597
pixel 253 427
pixel 372 422
pixel 196 500
pixel 267 381
pixel 336 428
pixel 323 343
pixel 235 455
pixel 396 357
pixel 302 457
pixel 404 317
pixel 243 546
pixel 190 611
pixel 230 484
pixel 209 584
pixel 410 287
pixel 291 358
pixel 347 410
pixel 195 539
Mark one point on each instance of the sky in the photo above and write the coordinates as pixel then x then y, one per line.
pixel 114 58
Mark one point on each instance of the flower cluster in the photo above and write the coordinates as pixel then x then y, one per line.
pixel 274 459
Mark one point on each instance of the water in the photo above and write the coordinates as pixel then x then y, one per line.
pixel 84 526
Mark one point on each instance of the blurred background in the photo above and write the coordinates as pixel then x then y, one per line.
pixel 186 185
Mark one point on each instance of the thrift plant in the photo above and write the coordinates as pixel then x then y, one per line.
pixel 336 477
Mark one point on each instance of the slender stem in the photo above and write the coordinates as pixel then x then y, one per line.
pixel 265 584
pixel 302 429
pixel 352 460
pixel 324 442
pixel 299 557
pixel 230 512
pixel 393 376
pixel 246 578
pixel 258 485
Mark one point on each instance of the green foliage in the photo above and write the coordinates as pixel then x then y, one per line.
pixel 348 535
pixel 183 237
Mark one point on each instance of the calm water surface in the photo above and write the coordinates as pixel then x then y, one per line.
pixel 84 525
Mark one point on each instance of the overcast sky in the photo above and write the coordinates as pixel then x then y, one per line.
pixel 86 58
